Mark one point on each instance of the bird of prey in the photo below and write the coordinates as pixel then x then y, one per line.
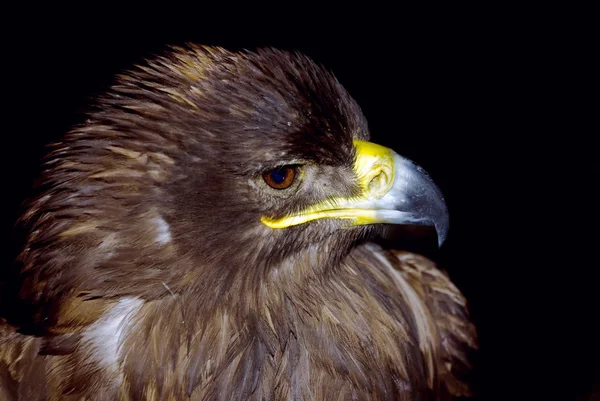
pixel 207 234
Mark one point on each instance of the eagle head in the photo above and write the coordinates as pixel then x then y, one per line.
pixel 235 162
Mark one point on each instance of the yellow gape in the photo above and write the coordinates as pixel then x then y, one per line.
pixel 375 171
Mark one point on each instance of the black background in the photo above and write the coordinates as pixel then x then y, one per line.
pixel 493 103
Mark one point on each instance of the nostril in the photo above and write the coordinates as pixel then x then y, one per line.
pixel 378 182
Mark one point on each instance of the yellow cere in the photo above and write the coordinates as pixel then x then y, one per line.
pixel 374 168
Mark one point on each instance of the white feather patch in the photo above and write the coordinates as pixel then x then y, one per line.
pixel 103 338
pixel 163 232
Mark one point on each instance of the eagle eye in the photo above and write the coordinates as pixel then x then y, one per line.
pixel 281 178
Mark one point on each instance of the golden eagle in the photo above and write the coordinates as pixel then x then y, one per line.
pixel 207 234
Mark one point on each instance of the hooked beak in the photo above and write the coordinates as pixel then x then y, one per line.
pixel 394 190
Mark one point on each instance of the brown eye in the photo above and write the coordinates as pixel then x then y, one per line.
pixel 280 178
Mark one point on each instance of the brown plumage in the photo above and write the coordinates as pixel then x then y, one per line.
pixel 149 275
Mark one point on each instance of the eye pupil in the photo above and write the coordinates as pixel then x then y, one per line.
pixel 280 178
